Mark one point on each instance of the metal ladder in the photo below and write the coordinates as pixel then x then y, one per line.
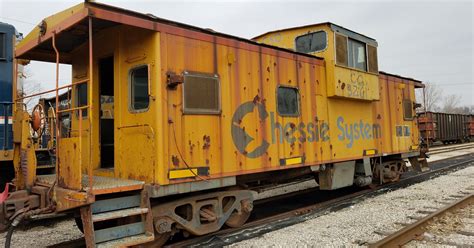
pixel 119 234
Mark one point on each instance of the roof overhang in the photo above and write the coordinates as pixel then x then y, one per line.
pixel 70 28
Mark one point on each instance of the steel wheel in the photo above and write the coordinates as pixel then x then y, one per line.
pixel 237 219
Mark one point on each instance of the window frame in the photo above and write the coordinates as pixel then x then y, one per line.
pixel 298 99
pixel 195 111
pixel 312 32
pixel 366 54
pixel 4 48
pixel 130 105
pixel 353 58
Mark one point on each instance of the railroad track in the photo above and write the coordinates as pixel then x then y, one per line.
pixel 284 210
pixel 269 219
pixel 437 224
pixel 450 148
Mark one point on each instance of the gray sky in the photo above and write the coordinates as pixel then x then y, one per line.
pixel 429 41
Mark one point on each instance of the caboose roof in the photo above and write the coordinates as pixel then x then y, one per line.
pixel 333 26
pixel 71 29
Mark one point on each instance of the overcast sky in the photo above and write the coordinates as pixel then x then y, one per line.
pixel 429 41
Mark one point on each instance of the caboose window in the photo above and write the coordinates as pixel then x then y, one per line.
pixel 288 101
pixel 407 109
pixel 139 95
pixel 201 94
pixel 357 55
pixel 3 44
pixel 81 97
pixel 372 54
pixel 341 50
pixel 312 42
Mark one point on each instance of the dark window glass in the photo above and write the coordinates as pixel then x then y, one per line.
pixel 288 101
pixel 201 94
pixel 3 44
pixel 407 109
pixel 81 93
pixel 311 42
pixel 139 96
pixel 357 55
pixel 341 50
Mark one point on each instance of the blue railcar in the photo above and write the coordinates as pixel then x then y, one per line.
pixel 8 37
pixel 7 42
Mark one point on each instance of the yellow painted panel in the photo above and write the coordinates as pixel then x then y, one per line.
pixel 355 84
pixel 69 173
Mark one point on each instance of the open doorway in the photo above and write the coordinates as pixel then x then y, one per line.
pixel 106 85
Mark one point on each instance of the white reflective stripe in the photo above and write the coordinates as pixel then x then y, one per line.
pixel 2 120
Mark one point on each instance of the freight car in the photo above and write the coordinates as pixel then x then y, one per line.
pixel 174 126
pixel 444 127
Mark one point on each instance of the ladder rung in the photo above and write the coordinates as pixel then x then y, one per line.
pixel 116 204
pixel 127 241
pixel 119 232
pixel 118 214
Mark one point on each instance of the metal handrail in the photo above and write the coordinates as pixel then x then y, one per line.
pixel 53 90
pixel 73 109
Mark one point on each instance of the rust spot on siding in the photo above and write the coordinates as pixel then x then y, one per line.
pixel 207 142
pixel 268 69
pixel 175 160
pixel 256 99
pixel 343 85
pixel 379 117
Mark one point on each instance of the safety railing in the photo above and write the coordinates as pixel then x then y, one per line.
pixel 88 107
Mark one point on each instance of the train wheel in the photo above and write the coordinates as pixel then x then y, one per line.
pixel 390 171
pixel 237 219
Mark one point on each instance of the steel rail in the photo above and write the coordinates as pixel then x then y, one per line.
pixel 436 148
pixel 450 149
pixel 416 229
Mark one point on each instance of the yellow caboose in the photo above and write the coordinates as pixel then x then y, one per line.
pixel 171 127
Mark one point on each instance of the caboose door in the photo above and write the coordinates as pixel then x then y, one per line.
pixel 106 89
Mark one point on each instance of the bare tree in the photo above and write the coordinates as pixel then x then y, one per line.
pixel 29 87
pixel 432 97
pixel 450 104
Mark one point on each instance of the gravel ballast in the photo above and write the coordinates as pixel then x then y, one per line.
pixel 368 221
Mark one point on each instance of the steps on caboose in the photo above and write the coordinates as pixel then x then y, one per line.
pixel 118 214
pixel 127 241
pixel 100 185
pixel 120 231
